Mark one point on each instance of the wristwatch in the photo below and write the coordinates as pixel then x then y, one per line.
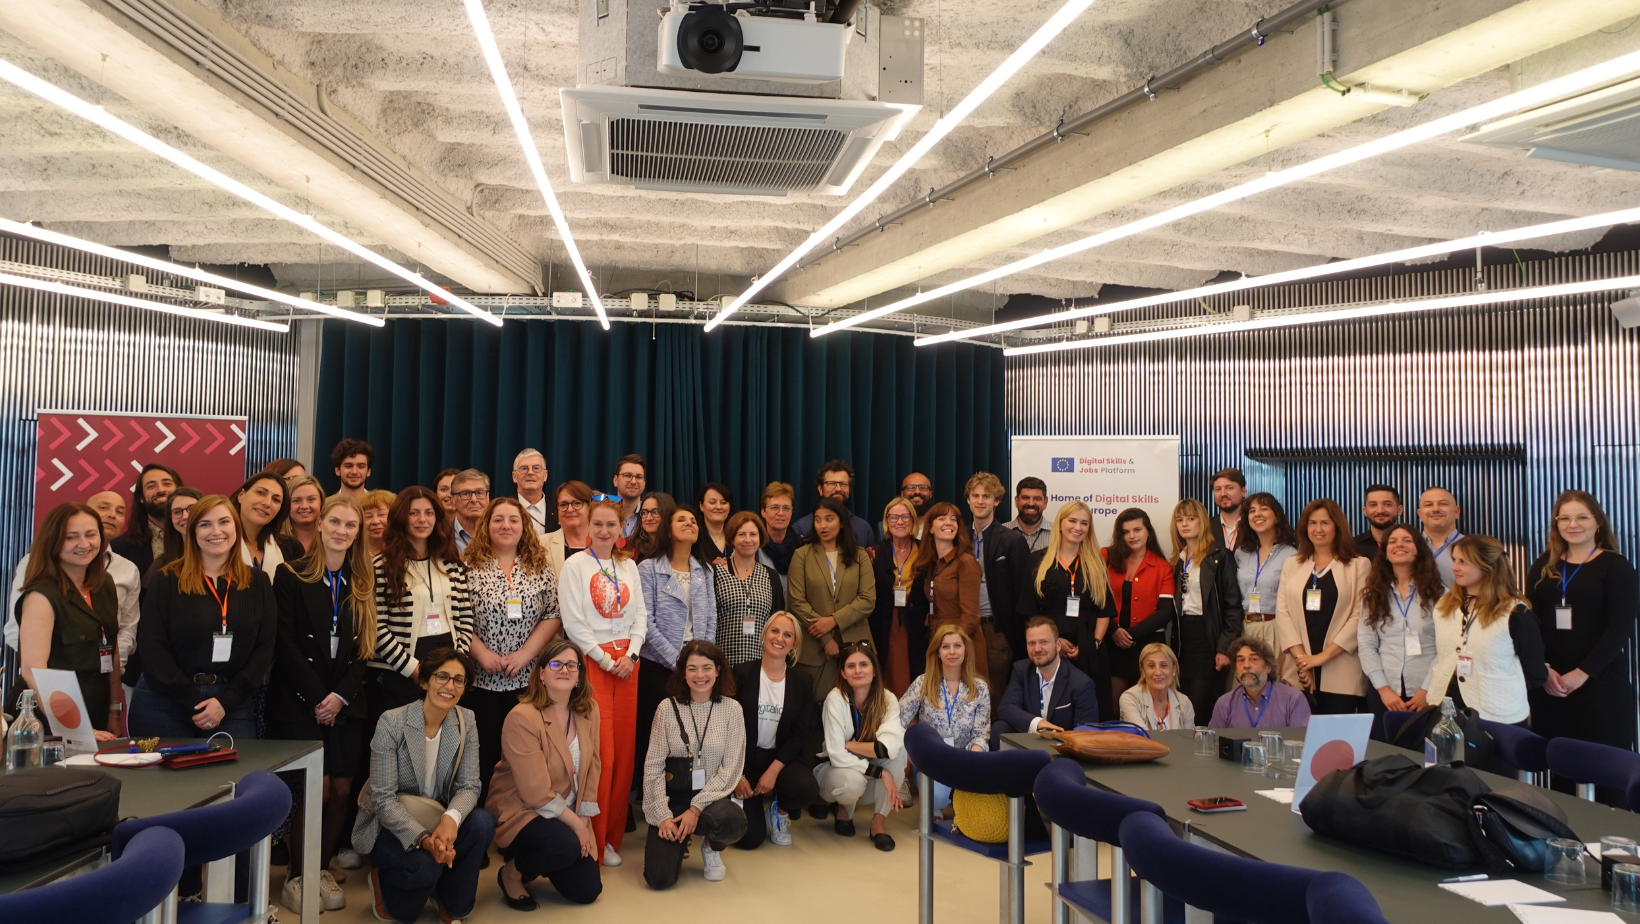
pixel 420 838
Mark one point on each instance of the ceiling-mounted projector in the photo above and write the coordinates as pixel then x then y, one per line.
pixel 712 38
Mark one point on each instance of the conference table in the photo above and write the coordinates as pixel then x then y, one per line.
pixel 158 790
pixel 1271 831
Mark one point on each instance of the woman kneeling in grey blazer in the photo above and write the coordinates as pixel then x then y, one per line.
pixel 424 758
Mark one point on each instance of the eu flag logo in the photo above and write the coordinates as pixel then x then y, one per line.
pixel 1064 465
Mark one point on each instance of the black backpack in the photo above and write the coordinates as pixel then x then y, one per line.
pixel 1396 805
pixel 1477 741
pixel 48 812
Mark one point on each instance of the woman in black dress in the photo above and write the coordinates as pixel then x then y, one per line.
pixel 1067 581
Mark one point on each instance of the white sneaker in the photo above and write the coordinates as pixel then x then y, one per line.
pixel 713 860
pixel 291 895
pixel 611 858
pixel 330 894
pixel 778 826
pixel 349 859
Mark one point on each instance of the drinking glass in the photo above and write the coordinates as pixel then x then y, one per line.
pixel 1566 861
pixel 1252 758
pixel 1271 742
pixel 1626 887
pixel 1207 742
pixel 1612 843
pixel 1292 756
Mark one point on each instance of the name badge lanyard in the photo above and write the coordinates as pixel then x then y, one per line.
pixel 1563 612
pixel 933 575
pixel 949 701
pixel 1269 694
pixel 899 577
pixel 222 642
pixel 1312 594
pixel 1447 544
pixel 1073 600
pixel 1466 662
pixel 613 581
pixel 1255 598
pixel 334 580
pixel 515 601
pixel 105 652
pixel 1409 643
pixel 697 773
pixel 435 616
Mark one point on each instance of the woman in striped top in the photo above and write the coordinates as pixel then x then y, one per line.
pixel 748 591
pixel 421 598
pixel 697 747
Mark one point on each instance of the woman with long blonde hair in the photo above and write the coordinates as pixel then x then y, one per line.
pixel 1204 572
pixel 1068 583
pixel 206 634
pixel 326 637
pixel 950 696
pixel 1488 648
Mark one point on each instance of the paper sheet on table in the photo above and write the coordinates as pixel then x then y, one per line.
pixel 1494 892
pixel 1284 796
pixel 1538 914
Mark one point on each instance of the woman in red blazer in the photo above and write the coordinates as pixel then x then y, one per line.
pixel 1142 582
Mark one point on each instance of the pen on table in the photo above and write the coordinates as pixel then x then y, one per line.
pixel 1475 878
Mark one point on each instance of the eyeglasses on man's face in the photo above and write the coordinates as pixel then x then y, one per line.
pixel 445 677
pixel 916 489
pixel 531 469
pixel 779 508
pixel 834 484
pixel 468 495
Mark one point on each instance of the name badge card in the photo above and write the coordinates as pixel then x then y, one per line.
pixel 1414 646
pixel 899 595
pixel 697 778
pixel 1563 617
pixel 221 647
pixel 105 659
pixel 1465 665
pixel 335 645
pixel 515 609
pixel 748 627
pixel 1312 600
pixel 1073 606
pixel 1253 603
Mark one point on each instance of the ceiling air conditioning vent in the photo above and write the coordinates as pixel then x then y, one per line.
pixel 1598 129
pixel 685 141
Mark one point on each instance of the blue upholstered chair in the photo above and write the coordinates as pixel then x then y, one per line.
pixel 1228 886
pixel 219 831
pixel 1075 808
pixel 131 888
pixel 1008 773
pixel 1522 749
pixel 1334 898
pixel 1589 765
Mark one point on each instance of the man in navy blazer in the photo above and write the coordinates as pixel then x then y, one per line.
pixel 1071 697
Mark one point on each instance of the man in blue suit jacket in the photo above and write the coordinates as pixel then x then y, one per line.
pixel 1070 695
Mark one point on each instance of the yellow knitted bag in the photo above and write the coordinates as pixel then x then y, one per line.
pixel 982 818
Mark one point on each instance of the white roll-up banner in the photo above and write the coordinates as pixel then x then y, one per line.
pixel 1108 473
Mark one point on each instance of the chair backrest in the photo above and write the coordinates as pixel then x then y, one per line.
pixel 1524 750
pixel 1588 762
pixel 1066 799
pixel 1334 898
pixel 118 893
pixel 1010 773
pixel 260 803
pixel 1239 888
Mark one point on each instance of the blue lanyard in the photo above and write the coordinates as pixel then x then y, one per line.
pixel 334 579
pixel 1566 579
pixel 1269 694
pixel 856 713
pixel 1404 607
pixel 899 574
pixel 949 702
pixel 1316 576
pixel 1261 563
pixel 979 545
pixel 1186 560
pixel 1454 537
pixel 609 573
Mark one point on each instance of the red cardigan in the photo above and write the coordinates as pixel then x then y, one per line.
pixel 1153 606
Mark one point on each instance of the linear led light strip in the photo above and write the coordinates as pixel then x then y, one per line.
pixel 1483 239
pixel 63 240
pixel 1525 99
pixel 99 116
pixel 117 299
pixel 503 85
pixel 1055 25
pixel 1357 312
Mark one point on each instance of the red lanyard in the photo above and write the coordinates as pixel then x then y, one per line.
pixel 221 599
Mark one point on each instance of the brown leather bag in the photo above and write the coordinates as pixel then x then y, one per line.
pixel 1106 747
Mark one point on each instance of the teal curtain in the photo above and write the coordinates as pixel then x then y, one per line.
pixel 741 405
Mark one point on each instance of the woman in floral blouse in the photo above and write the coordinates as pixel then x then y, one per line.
pixel 955 702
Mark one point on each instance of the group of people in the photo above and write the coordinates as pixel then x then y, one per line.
pixel 522 670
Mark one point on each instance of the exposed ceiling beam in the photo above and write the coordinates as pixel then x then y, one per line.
pixel 1267 98
pixel 179 62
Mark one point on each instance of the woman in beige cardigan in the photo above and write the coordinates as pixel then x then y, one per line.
pixel 546 784
pixel 1317 611
pixel 832 592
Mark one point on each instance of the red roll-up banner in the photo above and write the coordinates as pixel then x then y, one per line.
pixel 81 453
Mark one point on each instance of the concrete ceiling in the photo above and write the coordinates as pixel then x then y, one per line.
pixel 409 72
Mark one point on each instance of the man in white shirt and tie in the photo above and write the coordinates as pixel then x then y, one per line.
pixel 530 475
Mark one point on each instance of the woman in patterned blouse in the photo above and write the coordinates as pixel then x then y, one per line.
pixel 748 591
pixel 514 597
pixel 957 704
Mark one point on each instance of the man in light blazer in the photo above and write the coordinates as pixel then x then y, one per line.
pixel 1071 697
pixel 411 862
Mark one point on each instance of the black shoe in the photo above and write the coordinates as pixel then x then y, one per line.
pixel 485 863
pixel 843 826
pixel 527 903
pixel 631 822
pixel 882 842
pixel 819 811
